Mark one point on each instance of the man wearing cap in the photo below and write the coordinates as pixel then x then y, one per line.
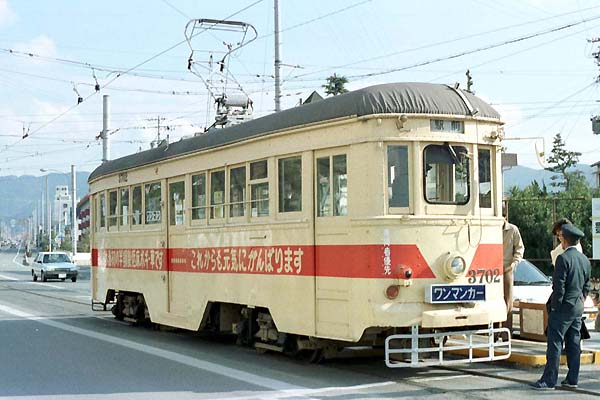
pixel 570 286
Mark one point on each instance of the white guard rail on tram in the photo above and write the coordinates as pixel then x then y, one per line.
pixel 455 343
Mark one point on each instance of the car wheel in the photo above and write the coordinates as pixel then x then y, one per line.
pixel 34 276
pixel 44 279
pixel 73 279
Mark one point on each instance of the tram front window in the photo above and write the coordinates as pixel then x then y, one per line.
pixel 446 172
pixel 485 178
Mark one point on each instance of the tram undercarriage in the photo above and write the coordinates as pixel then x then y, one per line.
pixel 402 346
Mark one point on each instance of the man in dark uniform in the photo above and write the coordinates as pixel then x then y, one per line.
pixel 570 286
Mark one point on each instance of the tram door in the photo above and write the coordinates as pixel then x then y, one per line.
pixel 331 233
pixel 176 237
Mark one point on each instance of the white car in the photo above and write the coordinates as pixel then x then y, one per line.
pixel 532 286
pixel 53 265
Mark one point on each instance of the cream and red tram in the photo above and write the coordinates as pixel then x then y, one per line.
pixel 369 218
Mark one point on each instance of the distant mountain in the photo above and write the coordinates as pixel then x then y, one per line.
pixel 19 195
pixel 522 177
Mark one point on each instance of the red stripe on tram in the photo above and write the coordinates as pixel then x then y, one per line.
pixel 345 261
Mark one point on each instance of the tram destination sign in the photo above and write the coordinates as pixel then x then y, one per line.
pixel 443 293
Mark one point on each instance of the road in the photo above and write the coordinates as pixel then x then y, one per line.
pixel 55 347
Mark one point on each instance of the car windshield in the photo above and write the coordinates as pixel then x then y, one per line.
pixel 56 258
pixel 528 274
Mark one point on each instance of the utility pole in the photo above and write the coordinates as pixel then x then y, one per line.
pixel 49 217
pixel 277 59
pixel 105 128
pixel 158 128
pixel 74 225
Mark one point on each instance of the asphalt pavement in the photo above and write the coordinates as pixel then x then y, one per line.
pixel 55 347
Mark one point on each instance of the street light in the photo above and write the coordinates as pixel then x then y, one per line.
pixel 49 213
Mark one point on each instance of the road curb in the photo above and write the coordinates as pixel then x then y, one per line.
pixel 536 360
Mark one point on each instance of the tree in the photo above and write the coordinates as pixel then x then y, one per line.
pixel 335 85
pixel 562 159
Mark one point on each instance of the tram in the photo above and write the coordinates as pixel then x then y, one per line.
pixel 371 218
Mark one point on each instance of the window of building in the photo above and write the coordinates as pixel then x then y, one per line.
pixel 446 125
pixel 102 210
pixel 152 210
pixel 259 189
pixel 332 180
pixel 124 194
pixel 112 208
pixel 217 194
pixel 176 203
pixel 237 192
pixel 290 184
pixel 446 172
pixel 485 178
pixel 397 165
pixel 199 196
pixel 136 205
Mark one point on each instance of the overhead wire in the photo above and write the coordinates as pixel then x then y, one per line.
pixel 444 42
pixel 68 110
pixel 475 50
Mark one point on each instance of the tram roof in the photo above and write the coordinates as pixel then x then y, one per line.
pixel 391 98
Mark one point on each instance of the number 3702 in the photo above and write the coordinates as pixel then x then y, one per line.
pixel 484 276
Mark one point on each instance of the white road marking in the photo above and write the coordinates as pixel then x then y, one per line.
pixel 8 278
pixel 231 373
pixel 438 378
pixel 46 284
pixel 236 395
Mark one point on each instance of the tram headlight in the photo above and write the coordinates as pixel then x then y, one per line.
pixel 455 266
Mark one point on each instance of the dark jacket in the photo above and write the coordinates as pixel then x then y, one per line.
pixel 571 279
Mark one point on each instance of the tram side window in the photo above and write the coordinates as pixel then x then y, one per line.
pixel 199 196
pixel 446 172
pixel 323 187
pixel 152 197
pixel 112 208
pixel 176 203
pixel 259 189
pixel 102 210
pixel 326 205
pixel 485 178
pixel 397 176
pixel 237 192
pixel 124 206
pixel 217 194
pixel 136 205
pixel 290 184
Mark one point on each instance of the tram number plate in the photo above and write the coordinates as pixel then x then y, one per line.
pixel 455 293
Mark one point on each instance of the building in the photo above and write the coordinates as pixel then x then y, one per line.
pixel 83 216
pixel 596 172
pixel 61 212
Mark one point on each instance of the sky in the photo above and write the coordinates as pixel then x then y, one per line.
pixel 531 59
